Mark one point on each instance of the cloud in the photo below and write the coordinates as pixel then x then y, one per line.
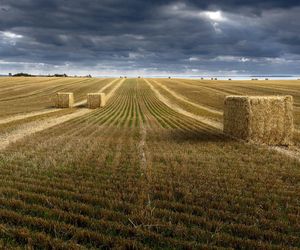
pixel 10 35
pixel 157 37
pixel 216 16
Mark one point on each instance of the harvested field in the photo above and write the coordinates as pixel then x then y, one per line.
pixel 138 173
pixel 212 93
pixel 24 95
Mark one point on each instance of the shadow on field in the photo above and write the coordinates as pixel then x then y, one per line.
pixel 50 107
pixel 81 106
pixel 196 136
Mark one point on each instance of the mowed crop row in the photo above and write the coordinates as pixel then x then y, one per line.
pixel 212 93
pixel 138 174
pixel 20 121
pixel 21 95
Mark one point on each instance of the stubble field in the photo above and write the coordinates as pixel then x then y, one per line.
pixel 151 169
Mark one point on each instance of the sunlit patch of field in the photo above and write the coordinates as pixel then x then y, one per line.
pixel 137 174
pixel 21 95
pixel 212 93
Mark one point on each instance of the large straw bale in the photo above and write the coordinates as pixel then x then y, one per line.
pixel 260 119
pixel 64 100
pixel 95 100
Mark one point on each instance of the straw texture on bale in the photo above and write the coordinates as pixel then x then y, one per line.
pixel 64 100
pixel 95 100
pixel 260 119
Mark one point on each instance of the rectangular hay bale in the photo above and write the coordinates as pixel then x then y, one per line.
pixel 64 100
pixel 260 119
pixel 95 100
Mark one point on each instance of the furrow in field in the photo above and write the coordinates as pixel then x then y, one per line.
pixel 34 127
pixel 186 106
pixel 81 221
pixel 291 152
pixel 81 126
pixel 65 231
pixel 99 91
pixel 173 106
pixel 204 92
pixel 161 206
pixel 97 225
pixel 223 88
pixel 179 97
pixel 109 95
pixel 43 100
pixel 148 114
pixel 166 116
pixel 171 117
pixel 111 114
pixel 161 212
pixel 141 146
pixel 97 116
pixel 168 161
pixel 37 126
pixel 90 185
pixel 62 84
pixel 26 115
pixel 21 235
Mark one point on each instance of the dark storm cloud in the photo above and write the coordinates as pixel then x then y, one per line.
pixel 160 36
pixel 254 5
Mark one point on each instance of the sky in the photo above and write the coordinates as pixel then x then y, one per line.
pixel 150 38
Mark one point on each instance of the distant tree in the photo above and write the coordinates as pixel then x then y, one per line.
pixel 22 74
pixel 9 74
pixel 60 75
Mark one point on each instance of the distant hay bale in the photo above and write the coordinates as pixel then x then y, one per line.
pixel 64 100
pixel 95 100
pixel 260 119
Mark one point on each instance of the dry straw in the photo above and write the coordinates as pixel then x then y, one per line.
pixel 260 119
pixel 64 100
pixel 95 100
